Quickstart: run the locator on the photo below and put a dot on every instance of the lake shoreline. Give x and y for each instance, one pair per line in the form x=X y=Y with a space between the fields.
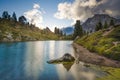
x=33 y=40
x=82 y=54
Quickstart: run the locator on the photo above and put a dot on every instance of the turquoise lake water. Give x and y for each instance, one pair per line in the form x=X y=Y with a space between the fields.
x=28 y=61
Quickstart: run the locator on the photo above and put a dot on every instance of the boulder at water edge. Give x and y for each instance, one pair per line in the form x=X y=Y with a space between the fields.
x=65 y=58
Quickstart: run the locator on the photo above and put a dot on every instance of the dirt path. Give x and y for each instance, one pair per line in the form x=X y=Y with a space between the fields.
x=85 y=55
x=107 y=32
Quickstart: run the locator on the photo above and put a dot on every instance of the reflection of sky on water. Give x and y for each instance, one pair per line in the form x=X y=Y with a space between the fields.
x=34 y=60
x=38 y=53
x=27 y=61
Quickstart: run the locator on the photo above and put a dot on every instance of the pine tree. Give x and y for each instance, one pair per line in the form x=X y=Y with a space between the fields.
x=112 y=22
x=98 y=26
x=5 y=15
x=78 y=31
x=14 y=17
x=105 y=25
x=55 y=30
x=61 y=33
x=22 y=20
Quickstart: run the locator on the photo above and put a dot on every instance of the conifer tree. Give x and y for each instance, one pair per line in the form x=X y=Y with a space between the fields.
x=14 y=17
x=22 y=20
x=78 y=31
x=5 y=15
x=105 y=25
x=112 y=22
x=98 y=26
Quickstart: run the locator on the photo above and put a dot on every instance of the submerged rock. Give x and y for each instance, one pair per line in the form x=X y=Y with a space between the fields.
x=66 y=58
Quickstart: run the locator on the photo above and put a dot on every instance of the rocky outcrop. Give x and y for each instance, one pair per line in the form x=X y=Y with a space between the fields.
x=10 y=37
x=66 y=58
x=90 y=23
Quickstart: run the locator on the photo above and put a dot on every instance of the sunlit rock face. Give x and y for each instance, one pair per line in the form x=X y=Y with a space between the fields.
x=91 y=23
x=66 y=58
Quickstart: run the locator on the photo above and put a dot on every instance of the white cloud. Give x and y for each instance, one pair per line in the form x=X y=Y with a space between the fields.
x=83 y=9
x=108 y=11
x=36 y=6
x=79 y=9
x=71 y=11
x=34 y=16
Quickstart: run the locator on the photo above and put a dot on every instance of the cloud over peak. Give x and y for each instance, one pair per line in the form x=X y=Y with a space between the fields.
x=83 y=9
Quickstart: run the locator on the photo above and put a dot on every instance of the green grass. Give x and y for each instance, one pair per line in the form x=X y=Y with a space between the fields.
x=113 y=73
x=103 y=45
x=17 y=29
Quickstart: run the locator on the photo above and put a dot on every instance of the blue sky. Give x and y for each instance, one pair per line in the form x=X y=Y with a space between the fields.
x=49 y=7
x=59 y=13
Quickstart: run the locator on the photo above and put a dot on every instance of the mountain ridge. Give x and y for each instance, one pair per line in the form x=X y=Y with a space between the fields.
x=91 y=22
x=68 y=30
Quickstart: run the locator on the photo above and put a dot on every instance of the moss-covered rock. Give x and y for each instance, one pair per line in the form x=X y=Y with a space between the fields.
x=65 y=58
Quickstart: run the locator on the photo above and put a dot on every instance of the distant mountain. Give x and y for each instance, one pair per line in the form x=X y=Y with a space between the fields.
x=90 y=23
x=68 y=30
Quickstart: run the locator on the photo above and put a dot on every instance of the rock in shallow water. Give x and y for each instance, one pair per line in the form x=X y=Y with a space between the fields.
x=66 y=58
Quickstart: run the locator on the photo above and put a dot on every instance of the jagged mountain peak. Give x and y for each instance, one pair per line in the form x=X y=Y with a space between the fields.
x=90 y=23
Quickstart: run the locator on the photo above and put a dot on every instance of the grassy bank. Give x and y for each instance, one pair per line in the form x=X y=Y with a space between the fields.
x=113 y=73
x=104 y=42
x=15 y=31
